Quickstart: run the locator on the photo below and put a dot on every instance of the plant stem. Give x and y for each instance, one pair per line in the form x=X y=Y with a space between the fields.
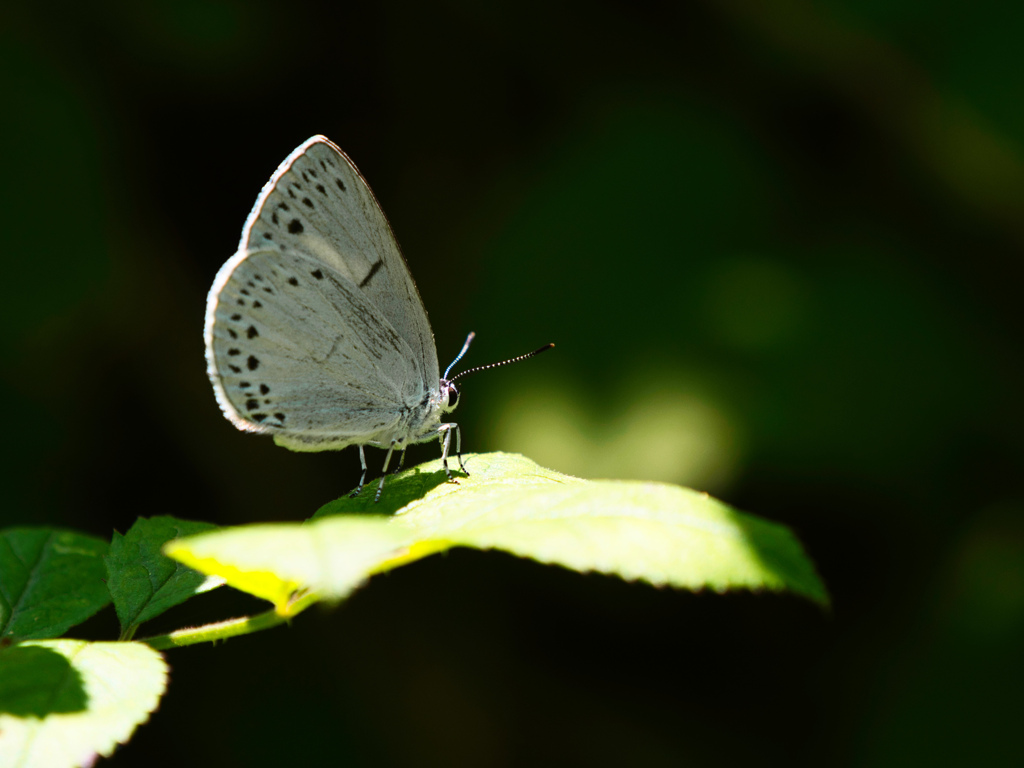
x=222 y=630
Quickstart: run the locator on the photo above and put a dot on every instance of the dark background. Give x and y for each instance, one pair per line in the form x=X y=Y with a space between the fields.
x=778 y=246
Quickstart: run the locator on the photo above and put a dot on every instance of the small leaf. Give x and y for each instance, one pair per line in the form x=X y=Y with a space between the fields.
x=142 y=581
x=63 y=702
x=331 y=556
x=50 y=580
x=659 y=533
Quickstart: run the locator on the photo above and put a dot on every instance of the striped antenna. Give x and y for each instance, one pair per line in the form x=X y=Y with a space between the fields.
x=535 y=352
x=465 y=348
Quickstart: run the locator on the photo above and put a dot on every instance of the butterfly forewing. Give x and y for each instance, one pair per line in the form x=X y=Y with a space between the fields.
x=318 y=204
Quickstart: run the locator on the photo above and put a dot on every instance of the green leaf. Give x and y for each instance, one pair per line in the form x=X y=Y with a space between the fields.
x=62 y=702
x=427 y=484
x=332 y=556
x=142 y=581
x=50 y=580
x=659 y=533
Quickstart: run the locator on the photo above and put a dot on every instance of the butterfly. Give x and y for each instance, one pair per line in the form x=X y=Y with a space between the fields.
x=315 y=332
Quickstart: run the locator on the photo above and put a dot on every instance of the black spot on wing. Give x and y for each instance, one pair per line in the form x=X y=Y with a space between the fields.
x=307 y=202
x=252 y=363
x=295 y=227
x=264 y=389
x=317 y=274
x=252 y=333
x=292 y=281
x=373 y=271
x=341 y=185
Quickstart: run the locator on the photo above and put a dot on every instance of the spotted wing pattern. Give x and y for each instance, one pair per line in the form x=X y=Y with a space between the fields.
x=315 y=331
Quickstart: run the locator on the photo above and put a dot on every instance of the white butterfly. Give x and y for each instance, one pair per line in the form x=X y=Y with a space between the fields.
x=315 y=332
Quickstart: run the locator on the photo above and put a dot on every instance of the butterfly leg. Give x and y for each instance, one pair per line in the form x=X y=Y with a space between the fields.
x=446 y=439
x=444 y=435
x=387 y=460
x=362 y=477
x=458 y=448
x=401 y=461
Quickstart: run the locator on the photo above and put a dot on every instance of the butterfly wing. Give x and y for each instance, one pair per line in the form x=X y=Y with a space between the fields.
x=295 y=349
x=315 y=331
x=319 y=204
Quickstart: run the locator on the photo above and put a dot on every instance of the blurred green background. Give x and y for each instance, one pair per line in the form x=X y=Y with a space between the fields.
x=779 y=248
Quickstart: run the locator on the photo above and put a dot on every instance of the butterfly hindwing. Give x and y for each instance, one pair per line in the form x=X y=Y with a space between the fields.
x=297 y=350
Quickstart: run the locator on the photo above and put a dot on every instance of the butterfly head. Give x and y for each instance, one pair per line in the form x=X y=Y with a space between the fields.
x=447 y=386
x=448 y=391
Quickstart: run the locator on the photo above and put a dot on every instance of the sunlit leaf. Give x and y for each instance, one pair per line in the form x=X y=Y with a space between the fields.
x=332 y=556
x=654 y=532
x=63 y=702
x=50 y=580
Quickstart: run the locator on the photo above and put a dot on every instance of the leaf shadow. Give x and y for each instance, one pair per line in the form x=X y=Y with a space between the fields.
x=779 y=552
x=37 y=681
x=399 y=490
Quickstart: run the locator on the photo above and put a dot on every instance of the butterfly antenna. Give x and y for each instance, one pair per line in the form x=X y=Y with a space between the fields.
x=535 y=352
x=465 y=348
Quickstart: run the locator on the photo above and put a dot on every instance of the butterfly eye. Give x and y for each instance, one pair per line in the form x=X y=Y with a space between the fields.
x=449 y=394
